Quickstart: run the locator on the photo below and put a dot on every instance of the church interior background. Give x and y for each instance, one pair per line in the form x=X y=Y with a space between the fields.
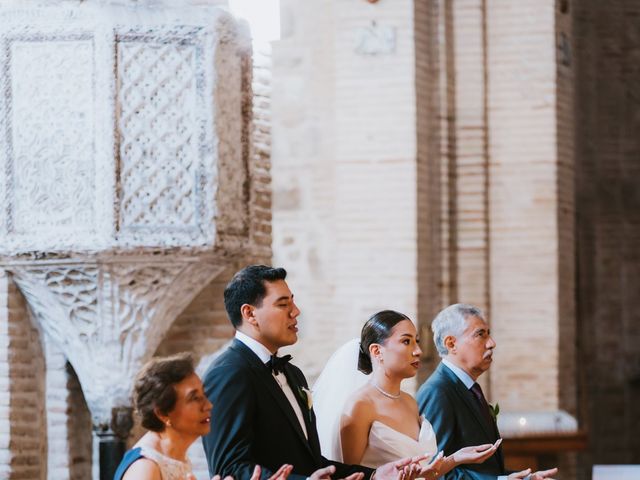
x=402 y=154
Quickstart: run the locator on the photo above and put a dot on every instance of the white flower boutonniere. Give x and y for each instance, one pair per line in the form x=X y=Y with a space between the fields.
x=306 y=395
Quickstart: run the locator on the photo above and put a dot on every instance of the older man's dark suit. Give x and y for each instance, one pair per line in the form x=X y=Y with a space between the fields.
x=458 y=422
x=252 y=422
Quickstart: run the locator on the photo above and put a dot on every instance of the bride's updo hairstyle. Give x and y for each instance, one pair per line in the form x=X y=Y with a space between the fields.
x=377 y=329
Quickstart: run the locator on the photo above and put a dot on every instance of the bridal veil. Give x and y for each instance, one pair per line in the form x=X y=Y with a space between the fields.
x=337 y=382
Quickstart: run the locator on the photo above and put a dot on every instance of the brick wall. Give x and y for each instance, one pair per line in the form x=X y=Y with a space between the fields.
x=464 y=178
x=5 y=376
x=470 y=170
x=79 y=426
x=429 y=101
x=523 y=203
x=607 y=59
x=23 y=440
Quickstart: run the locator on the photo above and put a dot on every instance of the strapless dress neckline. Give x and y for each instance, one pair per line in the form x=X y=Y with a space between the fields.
x=387 y=444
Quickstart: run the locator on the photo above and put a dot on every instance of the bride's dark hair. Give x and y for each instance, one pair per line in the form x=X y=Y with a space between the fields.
x=377 y=329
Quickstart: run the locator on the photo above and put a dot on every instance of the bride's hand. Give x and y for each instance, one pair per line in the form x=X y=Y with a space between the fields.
x=475 y=454
x=434 y=469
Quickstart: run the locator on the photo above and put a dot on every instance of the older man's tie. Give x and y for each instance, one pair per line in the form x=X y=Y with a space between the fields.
x=482 y=402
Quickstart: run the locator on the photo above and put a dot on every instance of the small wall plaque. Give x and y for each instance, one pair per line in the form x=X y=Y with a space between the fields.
x=375 y=40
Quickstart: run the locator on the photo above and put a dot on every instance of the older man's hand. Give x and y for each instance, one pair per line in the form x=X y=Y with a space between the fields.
x=527 y=475
x=520 y=475
x=544 y=474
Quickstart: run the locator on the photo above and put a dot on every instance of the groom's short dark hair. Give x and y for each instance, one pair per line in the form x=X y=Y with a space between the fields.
x=248 y=286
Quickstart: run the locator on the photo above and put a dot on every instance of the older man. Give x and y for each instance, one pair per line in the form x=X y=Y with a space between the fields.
x=452 y=400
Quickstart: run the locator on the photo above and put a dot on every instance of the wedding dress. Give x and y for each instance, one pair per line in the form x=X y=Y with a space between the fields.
x=388 y=445
x=337 y=382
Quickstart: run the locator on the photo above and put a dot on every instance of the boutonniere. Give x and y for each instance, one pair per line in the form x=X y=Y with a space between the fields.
x=305 y=395
x=495 y=410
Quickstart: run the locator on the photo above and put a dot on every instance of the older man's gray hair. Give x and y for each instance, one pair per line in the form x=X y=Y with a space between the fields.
x=452 y=321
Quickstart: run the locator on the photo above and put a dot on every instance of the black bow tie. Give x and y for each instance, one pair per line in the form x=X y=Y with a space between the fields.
x=276 y=364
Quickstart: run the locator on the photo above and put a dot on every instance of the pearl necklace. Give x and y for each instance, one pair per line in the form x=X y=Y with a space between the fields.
x=387 y=394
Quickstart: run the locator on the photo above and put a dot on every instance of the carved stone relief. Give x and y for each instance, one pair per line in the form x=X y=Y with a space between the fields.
x=165 y=135
x=109 y=318
x=52 y=134
x=122 y=127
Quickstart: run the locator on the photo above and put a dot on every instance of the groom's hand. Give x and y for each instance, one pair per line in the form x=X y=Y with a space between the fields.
x=323 y=474
x=282 y=473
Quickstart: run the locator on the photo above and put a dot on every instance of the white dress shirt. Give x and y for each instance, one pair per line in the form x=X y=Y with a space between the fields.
x=468 y=382
x=264 y=355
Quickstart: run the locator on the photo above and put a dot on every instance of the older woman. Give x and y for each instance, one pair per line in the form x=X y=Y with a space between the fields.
x=169 y=397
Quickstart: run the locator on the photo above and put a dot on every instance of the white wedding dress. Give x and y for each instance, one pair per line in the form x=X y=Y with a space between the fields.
x=388 y=445
x=337 y=382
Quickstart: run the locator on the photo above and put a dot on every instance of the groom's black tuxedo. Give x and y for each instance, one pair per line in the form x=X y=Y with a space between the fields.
x=458 y=422
x=252 y=422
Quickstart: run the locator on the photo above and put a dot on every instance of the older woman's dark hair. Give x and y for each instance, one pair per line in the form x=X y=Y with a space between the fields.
x=154 y=387
x=377 y=329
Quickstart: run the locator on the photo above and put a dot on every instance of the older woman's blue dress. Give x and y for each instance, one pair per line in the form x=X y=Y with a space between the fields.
x=170 y=468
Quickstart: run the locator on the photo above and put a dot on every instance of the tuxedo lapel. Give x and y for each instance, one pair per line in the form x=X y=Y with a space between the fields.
x=466 y=396
x=307 y=413
x=265 y=377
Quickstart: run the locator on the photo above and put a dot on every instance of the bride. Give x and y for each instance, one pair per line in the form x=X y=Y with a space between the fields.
x=363 y=416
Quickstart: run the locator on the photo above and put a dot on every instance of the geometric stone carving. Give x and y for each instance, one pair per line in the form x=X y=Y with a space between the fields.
x=44 y=156
x=122 y=126
x=160 y=133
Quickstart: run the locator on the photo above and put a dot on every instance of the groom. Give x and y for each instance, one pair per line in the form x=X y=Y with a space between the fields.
x=262 y=412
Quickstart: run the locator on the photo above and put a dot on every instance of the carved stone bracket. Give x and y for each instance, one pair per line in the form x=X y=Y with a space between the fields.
x=109 y=318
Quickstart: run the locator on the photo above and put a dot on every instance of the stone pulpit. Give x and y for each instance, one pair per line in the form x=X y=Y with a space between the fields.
x=125 y=175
